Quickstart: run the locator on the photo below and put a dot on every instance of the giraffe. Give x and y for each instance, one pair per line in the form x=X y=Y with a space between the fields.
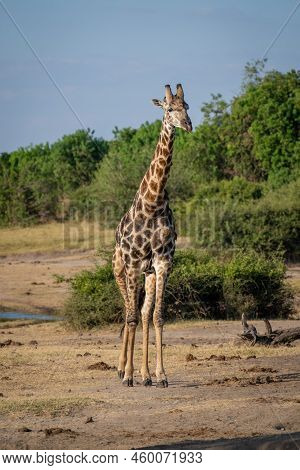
x=145 y=244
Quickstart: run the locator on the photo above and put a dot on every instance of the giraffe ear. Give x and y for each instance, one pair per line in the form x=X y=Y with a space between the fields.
x=157 y=103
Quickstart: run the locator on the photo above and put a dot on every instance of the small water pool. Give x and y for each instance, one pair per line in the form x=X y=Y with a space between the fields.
x=28 y=316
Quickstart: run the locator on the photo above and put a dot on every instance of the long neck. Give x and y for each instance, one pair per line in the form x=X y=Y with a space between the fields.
x=152 y=187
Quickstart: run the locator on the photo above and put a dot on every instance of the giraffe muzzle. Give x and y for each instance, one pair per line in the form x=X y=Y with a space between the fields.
x=187 y=125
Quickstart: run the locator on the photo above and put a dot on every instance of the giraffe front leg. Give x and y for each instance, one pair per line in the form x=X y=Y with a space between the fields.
x=150 y=282
x=131 y=323
x=161 y=280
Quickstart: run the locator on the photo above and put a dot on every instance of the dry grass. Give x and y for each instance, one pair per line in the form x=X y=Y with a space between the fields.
x=53 y=237
x=48 y=384
x=42 y=407
x=192 y=323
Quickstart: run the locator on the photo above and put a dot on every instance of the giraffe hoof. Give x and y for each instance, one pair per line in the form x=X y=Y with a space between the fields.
x=162 y=384
x=121 y=374
x=128 y=383
x=147 y=382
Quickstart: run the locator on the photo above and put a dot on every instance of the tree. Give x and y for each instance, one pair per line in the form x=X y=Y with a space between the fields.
x=33 y=189
x=253 y=73
x=76 y=158
x=262 y=133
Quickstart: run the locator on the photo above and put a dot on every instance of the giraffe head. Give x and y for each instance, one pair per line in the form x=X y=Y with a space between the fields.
x=175 y=109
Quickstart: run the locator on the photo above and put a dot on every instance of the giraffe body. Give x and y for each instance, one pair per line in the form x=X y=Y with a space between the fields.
x=145 y=244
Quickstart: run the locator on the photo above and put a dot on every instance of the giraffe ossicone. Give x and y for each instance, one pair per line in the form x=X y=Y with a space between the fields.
x=145 y=244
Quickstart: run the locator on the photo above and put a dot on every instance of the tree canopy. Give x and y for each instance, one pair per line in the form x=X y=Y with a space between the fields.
x=253 y=138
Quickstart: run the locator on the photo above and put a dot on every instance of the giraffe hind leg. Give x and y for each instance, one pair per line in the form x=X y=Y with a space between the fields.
x=132 y=319
x=161 y=270
x=119 y=272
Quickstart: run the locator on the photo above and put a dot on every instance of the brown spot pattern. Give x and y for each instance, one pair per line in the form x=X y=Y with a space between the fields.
x=150 y=196
x=153 y=185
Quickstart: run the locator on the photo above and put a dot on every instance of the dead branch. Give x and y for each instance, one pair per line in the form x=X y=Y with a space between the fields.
x=271 y=338
x=268 y=327
x=249 y=330
x=287 y=336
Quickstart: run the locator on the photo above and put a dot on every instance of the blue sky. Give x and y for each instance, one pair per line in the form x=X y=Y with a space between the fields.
x=110 y=57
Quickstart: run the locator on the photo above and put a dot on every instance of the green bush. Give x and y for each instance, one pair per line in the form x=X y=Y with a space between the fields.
x=95 y=299
x=199 y=286
x=266 y=228
x=194 y=288
x=237 y=190
x=253 y=284
x=239 y=214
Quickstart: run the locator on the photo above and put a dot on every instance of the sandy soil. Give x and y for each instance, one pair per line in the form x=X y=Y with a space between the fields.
x=30 y=282
x=59 y=390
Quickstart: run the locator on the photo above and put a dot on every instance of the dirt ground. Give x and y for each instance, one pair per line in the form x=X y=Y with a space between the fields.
x=37 y=282
x=59 y=390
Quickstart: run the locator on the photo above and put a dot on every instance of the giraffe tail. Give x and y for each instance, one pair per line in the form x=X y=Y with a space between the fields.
x=141 y=299
x=122 y=331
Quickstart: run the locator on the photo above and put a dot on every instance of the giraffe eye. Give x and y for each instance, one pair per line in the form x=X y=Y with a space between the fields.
x=170 y=109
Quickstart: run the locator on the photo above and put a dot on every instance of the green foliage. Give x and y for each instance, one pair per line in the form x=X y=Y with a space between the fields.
x=255 y=137
x=237 y=190
x=199 y=286
x=121 y=171
x=253 y=284
x=59 y=278
x=240 y=214
x=200 y=157
x=195 y=287
x=28 y=190
x=95 y=299
x=262 y=133
x=34 y=180
x=253 y=73
x=5 y=189
x=118 y=177
x=76 y=157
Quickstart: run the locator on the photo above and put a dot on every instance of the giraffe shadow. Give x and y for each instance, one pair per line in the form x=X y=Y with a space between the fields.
x=286 y=441
x=185 y=384
x=173 y=384
x=292 y=377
